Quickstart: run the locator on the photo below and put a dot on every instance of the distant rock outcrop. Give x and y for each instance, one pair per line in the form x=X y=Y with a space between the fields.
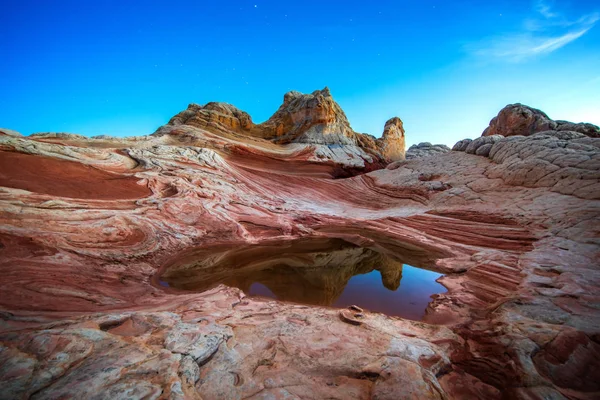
x=213 y=116
x=518 y=119
x=392 y=144
x=9 y=132
x=425 y=149
x=58 y=135
x=314 y=118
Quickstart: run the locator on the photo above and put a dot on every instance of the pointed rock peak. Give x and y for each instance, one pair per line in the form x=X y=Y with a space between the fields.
x=217 y=106
x=224 y=108
x=392 y=143
x=213 y=115
x=323 y=93
x=291 y=95
x=296 y=95
x=309 y=118
x=393 y=127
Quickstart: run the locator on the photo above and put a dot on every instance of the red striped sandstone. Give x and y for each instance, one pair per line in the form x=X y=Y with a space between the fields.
x=515 y=231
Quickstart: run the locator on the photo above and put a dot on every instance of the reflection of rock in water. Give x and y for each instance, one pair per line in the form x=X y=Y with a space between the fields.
x=312 y=271
x=321 y=284
x=391 y=272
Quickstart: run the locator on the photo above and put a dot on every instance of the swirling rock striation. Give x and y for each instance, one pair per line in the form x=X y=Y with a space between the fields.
x=87 y=227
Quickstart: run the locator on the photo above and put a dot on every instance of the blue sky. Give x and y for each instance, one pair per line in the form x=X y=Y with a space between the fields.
x=446 y=68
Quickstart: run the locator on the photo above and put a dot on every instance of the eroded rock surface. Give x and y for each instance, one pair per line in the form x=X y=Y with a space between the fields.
x=314 y=119
x=512 y=222
x=425 y=149
x=563 y=161
x=392 y=142
x=519 y=119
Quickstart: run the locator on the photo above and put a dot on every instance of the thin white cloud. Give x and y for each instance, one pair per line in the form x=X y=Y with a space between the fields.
x=550 y=44
x=544 y=9
x=542 y=34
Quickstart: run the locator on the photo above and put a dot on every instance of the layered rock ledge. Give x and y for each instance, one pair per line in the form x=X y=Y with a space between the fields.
x=86 y=226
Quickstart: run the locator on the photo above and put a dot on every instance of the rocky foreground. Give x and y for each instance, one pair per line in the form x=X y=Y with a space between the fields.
x=511 y=218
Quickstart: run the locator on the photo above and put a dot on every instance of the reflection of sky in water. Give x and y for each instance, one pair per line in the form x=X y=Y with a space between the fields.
x=367 y=291
x=258 y=289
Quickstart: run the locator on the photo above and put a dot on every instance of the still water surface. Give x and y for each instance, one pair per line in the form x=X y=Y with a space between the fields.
x=367 y=290
x=327 y=272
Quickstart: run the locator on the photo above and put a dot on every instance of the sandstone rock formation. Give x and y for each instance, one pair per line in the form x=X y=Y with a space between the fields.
x=425 y=149
x=310 y=119
x=519 y=119
x=564 y=162
x=9 y=132
x=392 y=143
x=89 y=226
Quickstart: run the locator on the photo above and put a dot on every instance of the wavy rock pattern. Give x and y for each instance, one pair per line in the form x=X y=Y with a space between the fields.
x=566 y=162
x=514 y=227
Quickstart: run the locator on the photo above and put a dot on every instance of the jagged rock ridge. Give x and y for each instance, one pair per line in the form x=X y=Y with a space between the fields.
x=314 y=118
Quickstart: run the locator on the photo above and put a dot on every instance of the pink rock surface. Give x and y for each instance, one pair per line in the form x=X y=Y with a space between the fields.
x=514 y=229
x=522 y=120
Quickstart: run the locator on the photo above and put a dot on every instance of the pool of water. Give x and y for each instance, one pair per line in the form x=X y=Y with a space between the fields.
x=328 y=272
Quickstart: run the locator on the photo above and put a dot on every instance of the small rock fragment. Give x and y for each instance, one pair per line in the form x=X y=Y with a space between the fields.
x=349 y=318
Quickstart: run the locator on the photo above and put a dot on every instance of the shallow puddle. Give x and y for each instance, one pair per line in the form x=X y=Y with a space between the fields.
x=328 y=272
